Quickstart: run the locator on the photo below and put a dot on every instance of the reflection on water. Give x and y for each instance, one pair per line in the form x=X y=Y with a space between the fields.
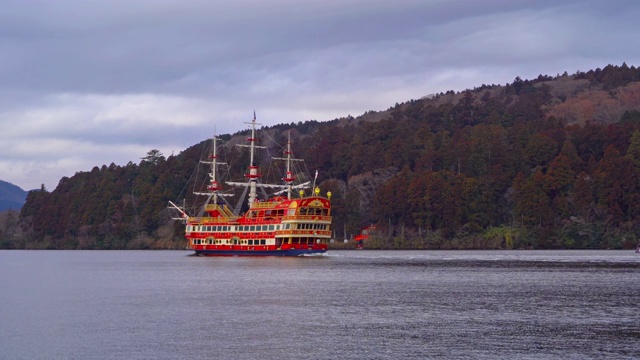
x=346 y=304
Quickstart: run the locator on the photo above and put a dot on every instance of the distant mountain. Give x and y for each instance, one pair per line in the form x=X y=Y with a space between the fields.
x=11 y=196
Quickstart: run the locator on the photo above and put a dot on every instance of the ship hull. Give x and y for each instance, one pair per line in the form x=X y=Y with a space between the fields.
x=288 y=252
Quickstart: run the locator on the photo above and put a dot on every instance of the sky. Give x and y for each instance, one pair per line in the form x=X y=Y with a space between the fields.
x=87 y=83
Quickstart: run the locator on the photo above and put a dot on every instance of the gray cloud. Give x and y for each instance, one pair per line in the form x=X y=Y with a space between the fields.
x=86 y=83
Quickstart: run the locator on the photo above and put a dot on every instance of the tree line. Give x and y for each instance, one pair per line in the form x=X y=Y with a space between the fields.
x=552 y=162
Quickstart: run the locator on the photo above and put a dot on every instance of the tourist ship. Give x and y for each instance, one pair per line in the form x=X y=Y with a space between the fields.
x=281 y=224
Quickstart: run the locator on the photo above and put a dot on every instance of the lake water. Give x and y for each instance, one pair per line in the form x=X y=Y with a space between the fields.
x=344 y=305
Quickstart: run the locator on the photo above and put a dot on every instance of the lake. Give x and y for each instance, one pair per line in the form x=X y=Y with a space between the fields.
x=343 y=305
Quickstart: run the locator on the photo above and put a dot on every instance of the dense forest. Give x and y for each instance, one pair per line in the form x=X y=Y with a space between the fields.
x=552 y=162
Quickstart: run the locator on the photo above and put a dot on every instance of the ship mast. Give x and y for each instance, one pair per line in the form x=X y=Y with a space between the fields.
x=213 y=186
x=288 y=178
x=253 y=174
x=253 y=168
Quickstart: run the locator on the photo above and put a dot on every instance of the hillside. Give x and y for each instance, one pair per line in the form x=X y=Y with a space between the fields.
x=11 y=196
x=552 y=162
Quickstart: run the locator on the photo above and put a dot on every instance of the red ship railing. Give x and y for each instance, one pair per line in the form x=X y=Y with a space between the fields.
x=306 y=218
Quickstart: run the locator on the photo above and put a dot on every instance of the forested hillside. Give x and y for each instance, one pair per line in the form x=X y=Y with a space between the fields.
x=552 y=162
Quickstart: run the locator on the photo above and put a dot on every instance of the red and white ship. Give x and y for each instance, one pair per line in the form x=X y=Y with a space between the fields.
x=282 y=224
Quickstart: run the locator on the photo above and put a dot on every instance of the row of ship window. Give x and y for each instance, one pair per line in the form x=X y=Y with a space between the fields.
x=306 y=226
x=225 y=228
x=253 y=228
x=314 y=211
x=280 y=213
x=230 y=242
x=210 y=241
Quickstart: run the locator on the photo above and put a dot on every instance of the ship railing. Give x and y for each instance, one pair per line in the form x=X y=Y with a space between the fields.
x=263 y=204
x=215 y=220
x=289 y=233
x=320 y=218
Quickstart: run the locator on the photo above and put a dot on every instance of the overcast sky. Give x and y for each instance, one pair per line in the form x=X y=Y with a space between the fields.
x=85 y=83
